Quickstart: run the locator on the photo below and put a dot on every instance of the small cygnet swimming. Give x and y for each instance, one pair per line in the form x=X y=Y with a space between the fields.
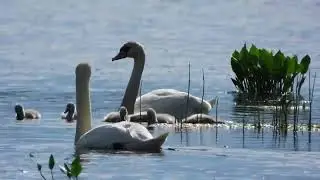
x=70 y=113
x=22 y=113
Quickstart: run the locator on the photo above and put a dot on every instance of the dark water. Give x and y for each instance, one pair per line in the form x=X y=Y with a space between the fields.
x=41 y=42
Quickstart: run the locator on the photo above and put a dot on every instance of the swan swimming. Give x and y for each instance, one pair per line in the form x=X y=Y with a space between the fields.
x=22 y=113
x=71 y=112
x=124 y=135
x=201 y=119
x=169 y=101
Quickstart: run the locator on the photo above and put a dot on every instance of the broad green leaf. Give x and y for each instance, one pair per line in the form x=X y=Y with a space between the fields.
x=304 y=64
x=254 y=50
x=278 y=63
x=243 y=54
x=279 y=59
x=237 y=69
x=266 y=60
x=292 y=67
x=76 y=167
x=236 y=54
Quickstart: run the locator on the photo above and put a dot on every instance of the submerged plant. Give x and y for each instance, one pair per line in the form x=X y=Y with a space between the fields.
x=72 y=171
x=261 y=75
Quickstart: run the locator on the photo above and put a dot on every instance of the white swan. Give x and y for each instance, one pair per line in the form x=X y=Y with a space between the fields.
x=167 y=101
x=22 y=113
x=123 y=135
x=71 y=112
x=201 y=119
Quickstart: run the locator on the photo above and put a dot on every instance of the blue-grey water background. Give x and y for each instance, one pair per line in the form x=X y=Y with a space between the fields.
x=41 y=42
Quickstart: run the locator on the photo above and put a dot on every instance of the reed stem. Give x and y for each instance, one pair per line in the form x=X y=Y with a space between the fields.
x=140 y=106
x=311 y=100
x=203 y=84
x=187 y=109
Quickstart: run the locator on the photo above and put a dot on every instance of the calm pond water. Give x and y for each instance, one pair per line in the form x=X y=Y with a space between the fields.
x=41 y=42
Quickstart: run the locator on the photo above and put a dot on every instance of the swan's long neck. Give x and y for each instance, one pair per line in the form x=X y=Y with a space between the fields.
x=21 y=115
x=69 y=116
x=132 y=90
x=83 y=107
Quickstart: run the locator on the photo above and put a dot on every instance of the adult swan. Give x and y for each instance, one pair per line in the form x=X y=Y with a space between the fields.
x=123 y=135
x=167 y=101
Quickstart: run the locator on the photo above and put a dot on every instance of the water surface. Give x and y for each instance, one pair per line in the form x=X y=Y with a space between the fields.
x=41 y=42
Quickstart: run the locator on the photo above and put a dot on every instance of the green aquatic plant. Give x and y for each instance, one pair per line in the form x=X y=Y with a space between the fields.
x=261 y=75
x=72 y=171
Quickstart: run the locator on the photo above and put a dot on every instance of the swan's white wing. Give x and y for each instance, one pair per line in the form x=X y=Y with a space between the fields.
x=170 y=101
x=161 y=101
x=165 y=118
x=104 y=136
x=202 y=118
x=136 y=130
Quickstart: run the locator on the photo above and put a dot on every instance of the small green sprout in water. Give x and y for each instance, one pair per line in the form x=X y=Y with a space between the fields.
x=51 y=164
x=71 y=171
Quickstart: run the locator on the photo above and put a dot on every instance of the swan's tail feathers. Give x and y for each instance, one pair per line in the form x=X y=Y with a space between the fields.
x=214 y=101
x=152 y=145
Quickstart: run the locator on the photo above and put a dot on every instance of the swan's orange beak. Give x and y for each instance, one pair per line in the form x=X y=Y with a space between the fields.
x=120 y=55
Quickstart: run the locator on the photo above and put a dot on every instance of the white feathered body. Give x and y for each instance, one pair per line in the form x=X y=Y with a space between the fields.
x=126 y=133
x=173 y=102
x=31 y=114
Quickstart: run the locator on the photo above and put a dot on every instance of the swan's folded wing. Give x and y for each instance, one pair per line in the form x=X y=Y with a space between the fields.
x=104 y=136
x=171 y=102
x=165 y=118
x=153 y=144
x=161 y=104
x=137 y=131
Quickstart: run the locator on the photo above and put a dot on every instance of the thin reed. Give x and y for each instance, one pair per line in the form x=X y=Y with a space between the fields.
x=187 y=106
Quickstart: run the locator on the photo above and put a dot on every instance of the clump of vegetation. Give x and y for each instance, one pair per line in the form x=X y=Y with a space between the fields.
x=262 y=76
x=72 y=171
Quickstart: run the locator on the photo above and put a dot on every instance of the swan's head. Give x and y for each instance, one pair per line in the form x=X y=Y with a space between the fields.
x=19 y=111
x=70 y=108
x=123 y=113
x=152 y=116
x=83 y=71
x=130 y=49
